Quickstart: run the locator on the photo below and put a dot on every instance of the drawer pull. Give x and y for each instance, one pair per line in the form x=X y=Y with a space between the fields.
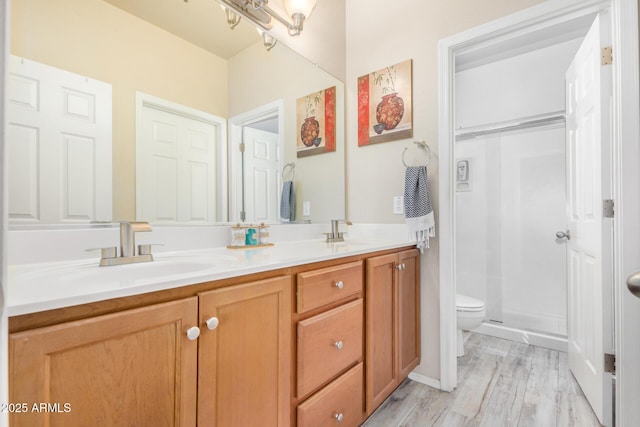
x=338 y=416
x=339 y=284
x=193 y=333
x=338 y=345
x=212 y=323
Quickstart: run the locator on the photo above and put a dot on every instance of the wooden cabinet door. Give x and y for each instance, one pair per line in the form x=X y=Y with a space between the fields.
x=381 y=338
x=135 y=367
x=392 y=323
x=244 y=363
x=408 y=315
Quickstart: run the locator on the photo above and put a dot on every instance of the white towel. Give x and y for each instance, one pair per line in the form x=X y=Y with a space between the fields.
x=288 y=202
x=417 y=206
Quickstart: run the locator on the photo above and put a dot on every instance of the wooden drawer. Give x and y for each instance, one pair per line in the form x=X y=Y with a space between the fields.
x=326 y=285
x=339 y=403
x=328 y=344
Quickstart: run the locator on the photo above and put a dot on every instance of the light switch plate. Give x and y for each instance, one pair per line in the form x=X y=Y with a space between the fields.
x=306 y=208
x=398 y=205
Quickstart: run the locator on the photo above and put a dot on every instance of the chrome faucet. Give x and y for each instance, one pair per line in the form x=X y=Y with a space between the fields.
x=128 y=253
x=336 y=235
x=128 y=239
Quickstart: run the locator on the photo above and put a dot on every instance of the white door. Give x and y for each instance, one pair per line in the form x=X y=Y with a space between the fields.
x=590 y=329
x=59 y=145
x=176 y=168
x=262 y=175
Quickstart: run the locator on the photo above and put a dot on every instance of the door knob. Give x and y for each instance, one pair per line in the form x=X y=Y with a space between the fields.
x=564 y=235
x=633 y=283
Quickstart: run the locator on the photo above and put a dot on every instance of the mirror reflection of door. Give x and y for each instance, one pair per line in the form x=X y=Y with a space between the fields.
x=256 y=157
x=178 y=156
x=262 y=170
x=59 y=132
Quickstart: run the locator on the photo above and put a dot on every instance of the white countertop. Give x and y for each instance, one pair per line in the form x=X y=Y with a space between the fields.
x=51 y=285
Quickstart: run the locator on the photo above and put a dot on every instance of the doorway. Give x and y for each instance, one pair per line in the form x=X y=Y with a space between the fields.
x=478 y=48
x=255 y=158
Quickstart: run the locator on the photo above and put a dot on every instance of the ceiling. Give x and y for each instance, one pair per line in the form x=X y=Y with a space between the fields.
x=201 y=22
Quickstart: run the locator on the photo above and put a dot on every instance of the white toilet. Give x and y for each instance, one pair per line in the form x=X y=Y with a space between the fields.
x=470 y=313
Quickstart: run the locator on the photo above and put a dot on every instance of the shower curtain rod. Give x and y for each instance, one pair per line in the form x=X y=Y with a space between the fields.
x=517 y=124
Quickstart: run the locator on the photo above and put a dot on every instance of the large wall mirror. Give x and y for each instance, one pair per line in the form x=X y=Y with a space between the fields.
x=161 y=54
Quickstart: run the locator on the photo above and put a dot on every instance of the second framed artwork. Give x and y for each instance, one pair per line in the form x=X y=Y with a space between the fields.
x=385 y=109
x=316 y=123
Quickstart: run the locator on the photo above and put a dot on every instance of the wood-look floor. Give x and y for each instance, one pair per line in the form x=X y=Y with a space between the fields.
x=500 y=383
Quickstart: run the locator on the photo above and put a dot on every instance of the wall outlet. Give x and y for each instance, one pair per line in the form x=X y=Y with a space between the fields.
x=398 y=205
x=306 y=208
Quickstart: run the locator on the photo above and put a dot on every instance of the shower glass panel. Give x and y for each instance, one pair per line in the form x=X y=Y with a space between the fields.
x=510 y=202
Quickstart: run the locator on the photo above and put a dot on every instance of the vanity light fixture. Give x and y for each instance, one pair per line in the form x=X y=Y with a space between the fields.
x=259 y=13
x=267 y=39
x=233 y=19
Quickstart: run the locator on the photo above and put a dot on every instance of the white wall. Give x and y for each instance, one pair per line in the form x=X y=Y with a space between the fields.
x=383 y=33
x=524 y=85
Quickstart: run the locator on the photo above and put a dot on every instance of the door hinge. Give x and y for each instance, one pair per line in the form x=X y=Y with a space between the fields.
x=242 y=147
x=610 y=363
x=607 y=55
x=607 y=208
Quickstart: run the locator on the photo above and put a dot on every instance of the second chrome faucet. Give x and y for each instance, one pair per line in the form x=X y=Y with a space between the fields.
x=336 y=235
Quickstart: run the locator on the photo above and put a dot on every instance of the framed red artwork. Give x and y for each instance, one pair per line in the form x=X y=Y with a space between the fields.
x=385 y=110
x=316 y=123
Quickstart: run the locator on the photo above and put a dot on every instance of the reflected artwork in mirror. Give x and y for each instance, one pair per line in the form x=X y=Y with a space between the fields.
x=184 y=54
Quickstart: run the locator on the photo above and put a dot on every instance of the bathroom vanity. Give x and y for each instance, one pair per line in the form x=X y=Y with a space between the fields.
x=302 y=333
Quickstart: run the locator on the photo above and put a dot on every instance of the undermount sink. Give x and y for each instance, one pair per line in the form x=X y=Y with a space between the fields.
x=348 y=245
x=165 y=266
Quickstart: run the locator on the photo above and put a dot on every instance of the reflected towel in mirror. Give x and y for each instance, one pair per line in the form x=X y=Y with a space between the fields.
x=288 y=202
x=417 y=206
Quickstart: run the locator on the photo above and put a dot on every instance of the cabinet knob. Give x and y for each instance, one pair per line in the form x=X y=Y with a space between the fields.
x=339 y=284
x=338 y=345
x=338 y=416
x=212 y=323
x=401 y=266
x=193 y=333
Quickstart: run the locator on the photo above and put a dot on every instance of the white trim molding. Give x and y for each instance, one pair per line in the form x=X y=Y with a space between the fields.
x=423 y=379
x=4 y=206
x=626 y=166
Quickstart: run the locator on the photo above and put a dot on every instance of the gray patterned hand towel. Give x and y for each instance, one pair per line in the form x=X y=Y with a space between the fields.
x=288 y=202
x=418 y=210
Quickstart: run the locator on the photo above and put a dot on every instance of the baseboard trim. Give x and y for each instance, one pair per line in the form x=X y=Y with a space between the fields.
x=526 y=337
x=423 y=379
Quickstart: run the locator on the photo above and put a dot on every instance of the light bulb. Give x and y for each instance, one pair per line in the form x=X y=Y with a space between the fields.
x=303 y=7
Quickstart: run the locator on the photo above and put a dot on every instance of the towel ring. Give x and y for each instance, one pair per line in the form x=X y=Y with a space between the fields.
x=423 y=146
x=292 y=166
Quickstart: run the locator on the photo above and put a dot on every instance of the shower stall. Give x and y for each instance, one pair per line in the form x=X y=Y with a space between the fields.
x=506 y=217
x=510 y=191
